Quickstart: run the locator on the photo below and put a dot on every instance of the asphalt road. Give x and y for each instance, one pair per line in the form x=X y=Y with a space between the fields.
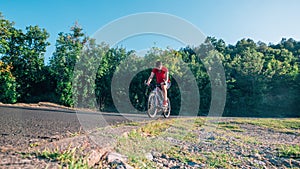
x=21 y=127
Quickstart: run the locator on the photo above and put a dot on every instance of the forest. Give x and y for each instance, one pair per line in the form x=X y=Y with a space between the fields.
x=262 y=79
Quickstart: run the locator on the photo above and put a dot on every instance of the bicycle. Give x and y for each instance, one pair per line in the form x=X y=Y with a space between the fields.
x=155 y=102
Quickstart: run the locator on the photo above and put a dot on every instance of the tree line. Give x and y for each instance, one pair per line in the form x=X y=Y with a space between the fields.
x=262 y=80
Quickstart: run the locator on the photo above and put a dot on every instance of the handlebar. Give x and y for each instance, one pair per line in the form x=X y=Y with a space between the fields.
x=152 y=85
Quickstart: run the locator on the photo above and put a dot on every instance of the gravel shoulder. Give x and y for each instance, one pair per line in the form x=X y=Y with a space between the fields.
x=215 y=143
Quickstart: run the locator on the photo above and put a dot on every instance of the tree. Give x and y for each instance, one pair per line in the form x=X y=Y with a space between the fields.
x=30 y=74
x=244 y=71
x=25 y=52
x=107 y=67
x=86 y=85
x=5 y=34
x=68 y=50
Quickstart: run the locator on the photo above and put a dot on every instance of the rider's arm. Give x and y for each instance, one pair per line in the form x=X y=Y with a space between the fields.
x=167 y=76
x=150 y=78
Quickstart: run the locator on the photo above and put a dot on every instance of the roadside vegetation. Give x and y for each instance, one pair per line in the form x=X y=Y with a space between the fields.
x=231 y=143
x=69 y=158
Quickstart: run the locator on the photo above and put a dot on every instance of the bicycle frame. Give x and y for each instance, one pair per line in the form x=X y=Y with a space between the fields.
x=155 y=100
x=158 y=97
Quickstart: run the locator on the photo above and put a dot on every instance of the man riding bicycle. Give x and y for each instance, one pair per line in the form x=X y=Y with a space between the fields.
x=162 y=77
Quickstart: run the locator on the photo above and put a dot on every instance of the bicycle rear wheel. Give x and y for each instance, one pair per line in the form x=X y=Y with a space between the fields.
x=152 y=109
x=167 y=111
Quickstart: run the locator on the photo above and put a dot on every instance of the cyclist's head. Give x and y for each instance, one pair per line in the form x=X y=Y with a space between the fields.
x=159 y=65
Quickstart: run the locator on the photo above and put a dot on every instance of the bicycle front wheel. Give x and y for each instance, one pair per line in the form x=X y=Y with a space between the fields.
x=167 y=111
x=152 y=108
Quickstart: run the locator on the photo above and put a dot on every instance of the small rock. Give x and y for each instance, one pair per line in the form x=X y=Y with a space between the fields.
x=125 y=134
x=165 y=156
x=172 y=159
x=238 y=153
x=149 y=156
x=54 y=138
x=115 y=156
x=160 y=165
x=197 y=166
x=155 y=160
x=260 y=163
x=33 y=140
x=287 y=163
x=295 y=163
x=128 y=166
x=121 y=167
x=165 y=162
x=211 y=138
x=156 y=154
x=25 y=161
x=190 y=163
x=274 y=162
x=93 y=158
x=116 y=162
x=257 y=156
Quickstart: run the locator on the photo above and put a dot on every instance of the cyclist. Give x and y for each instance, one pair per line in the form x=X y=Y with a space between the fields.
x=162 y=77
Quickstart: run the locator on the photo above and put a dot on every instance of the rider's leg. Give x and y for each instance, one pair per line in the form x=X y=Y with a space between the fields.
x=165 y=93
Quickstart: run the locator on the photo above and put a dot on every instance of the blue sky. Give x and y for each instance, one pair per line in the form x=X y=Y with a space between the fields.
x=230 y=20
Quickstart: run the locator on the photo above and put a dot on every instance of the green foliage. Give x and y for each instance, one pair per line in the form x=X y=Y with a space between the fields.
x=7 y=84
x=68 y=50
x=24 y=51
x=69 y=158
x=5 y=34
x=289 y=151
x=258 y=77
x=107 y=67
x=275 y=124
x=84 y=74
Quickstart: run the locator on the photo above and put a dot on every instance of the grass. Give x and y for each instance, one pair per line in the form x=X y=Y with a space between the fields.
x=34 y=144
x=68 y=158
x=140 y=141
x=155 y=128
x=182 y=129
x=184 y=155
x=135 y=146
x=130 y=123
x=166 y=136
x=289 y=126
x=153 y=137
x=229 y=126
x=221 y=160
x=289 y=151
x=250 y=140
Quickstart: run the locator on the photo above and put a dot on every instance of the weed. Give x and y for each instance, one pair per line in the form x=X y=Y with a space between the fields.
x=156 y=128
x=289 y=151
x=66 y=158
x=231 y=127
x=34 y=144
x=221 y=160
